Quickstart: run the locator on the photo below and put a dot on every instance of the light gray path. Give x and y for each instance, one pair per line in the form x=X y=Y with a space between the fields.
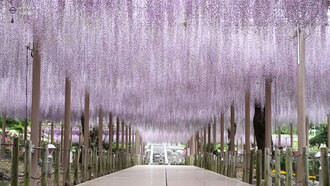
x=163 y=176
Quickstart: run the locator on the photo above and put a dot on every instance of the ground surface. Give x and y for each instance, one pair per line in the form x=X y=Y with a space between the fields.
x=163 y=176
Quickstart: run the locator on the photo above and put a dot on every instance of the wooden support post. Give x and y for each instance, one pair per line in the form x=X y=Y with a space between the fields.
x=35 y=109
x=267 y=170
x=279 y=136
x=52 y=133
x=307 y=130
x=117 y=136
x=325 y=166
x=197 y=142
x=126 y=139
x=110 y=140
x=222 y=131
x=86 y=135
x=288 y=167
x=277 y=167
x=67 y=126
x=305 y=165
x=209 y=138
x=95 y=167
x=62 y=141
x=3 y=134
x=247 y=132
x=251 y=165
x=204 y=143
x=268 y=113
x=25 y=128
x=258 y=168
x=122 y=135
x=90 y=163
x=27 y=163
x=214 y=133
x=44 y=165
x=57 y=166
x=130 y=140
x=14 y=163
x=75 y=165
x=100 y=147
x=328 y=131
x=301 y=101
x=291 y=135
x=232 y=128
x=39 y=141
x=244 y=172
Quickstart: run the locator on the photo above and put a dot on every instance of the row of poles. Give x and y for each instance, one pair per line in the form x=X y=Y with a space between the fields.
x=302 y=128
x=35 y=119
x=100 y=163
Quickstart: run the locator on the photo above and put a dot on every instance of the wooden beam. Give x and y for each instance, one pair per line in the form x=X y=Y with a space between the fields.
x=268 y=113
x=232 y=128
x=86 y=134
x=222 y=130
x=214 y=133
x=67 y=119
x=35 y=109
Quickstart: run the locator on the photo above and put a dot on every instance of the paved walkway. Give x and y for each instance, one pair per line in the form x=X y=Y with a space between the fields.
x=157 y=175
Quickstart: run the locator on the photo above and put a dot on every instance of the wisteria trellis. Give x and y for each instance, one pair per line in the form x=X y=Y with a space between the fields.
x=165 y=67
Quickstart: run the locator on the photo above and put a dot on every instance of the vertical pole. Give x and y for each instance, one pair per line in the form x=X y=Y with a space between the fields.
x=247 y=132
x=222 y=130
x=117 y=136
x=14 y=163
x=214 y=133
x=268 y=130
x=67 y=119
x=3 y=135
x=86 y=134
x=288 y=167
x=110 y=133
x=126 y=139
x=75 y=177
x=122 y=135
x=130 y=139
x=52 y=133
x=251 y=165
x=258 y=168
x=291 y=135
x=45 y=166
x=268 y=113
x=209 y=138
x=204 y=142
x=325 y=166
x=301 y=101
x=25 y=129
x=305 y=175
x=57 y=166
x=279 y=136
x=307 y=128
x=232 y=128
x=27 y=164
x=277 y=167
x=35 y=109
x=100 y=133
x=328 y=131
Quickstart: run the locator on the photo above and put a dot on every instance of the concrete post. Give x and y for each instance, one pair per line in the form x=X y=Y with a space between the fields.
x=67 y=119
x=222 y=131
x=301 y=101
x=35 y=109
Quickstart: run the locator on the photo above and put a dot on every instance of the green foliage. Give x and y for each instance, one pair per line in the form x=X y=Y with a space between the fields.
x=15 y=124
x=321 y=137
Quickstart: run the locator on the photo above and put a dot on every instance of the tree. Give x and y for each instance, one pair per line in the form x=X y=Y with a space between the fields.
x=321 y=138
